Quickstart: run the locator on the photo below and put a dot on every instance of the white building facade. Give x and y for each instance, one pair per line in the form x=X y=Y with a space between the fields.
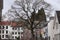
x=54 y=27
x=8 y=32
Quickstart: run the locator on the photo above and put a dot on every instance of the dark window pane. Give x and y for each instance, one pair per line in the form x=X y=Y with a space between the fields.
x=0 y=31
x=18 y=32
x=6 y=36
x=15 y=32
x=6 y=32
x=0 y=27
x=2 y=36
x=12 y=32
x=13 y=28
x=6 y=27
x=12 y=36
x=15 y=37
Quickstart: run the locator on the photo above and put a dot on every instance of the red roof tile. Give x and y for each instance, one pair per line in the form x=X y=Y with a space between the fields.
x=13 y=24
x=5 y=23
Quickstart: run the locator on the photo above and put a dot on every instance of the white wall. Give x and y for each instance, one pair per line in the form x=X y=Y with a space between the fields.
x=10 y=30
x=54 y=32
x=50 y=29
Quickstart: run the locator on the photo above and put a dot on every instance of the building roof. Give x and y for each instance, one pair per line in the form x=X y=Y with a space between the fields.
x=58 y=16
x=5 y=23
x=13 y=24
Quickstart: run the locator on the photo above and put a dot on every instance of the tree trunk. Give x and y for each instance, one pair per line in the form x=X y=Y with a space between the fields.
x=32 y=32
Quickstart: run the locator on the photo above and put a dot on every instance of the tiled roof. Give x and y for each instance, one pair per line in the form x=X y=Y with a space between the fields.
x=58 y=16
x=5 y=23
x=13 y=24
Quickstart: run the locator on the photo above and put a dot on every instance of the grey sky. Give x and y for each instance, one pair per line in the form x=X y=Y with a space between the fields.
x=54 y=3
x=7 y=4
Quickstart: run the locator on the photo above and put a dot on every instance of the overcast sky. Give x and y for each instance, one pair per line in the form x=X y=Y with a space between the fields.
x=7 y=4
x=54 y=3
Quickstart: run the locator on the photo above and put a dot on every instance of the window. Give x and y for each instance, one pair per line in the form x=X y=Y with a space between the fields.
x=2 y=36
x=6 y=32
x=6 y=27
x=53 y=27
x=18 y=32
x=6 y=36
x=49 y=37
x=15 y=32
x=12 y=32
x=2 y=31
x=15 y=37
x=2 y=27
x=13 y=28
x=12 y=36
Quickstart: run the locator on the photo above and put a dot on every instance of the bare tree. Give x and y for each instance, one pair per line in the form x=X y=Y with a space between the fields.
x=30 y=12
